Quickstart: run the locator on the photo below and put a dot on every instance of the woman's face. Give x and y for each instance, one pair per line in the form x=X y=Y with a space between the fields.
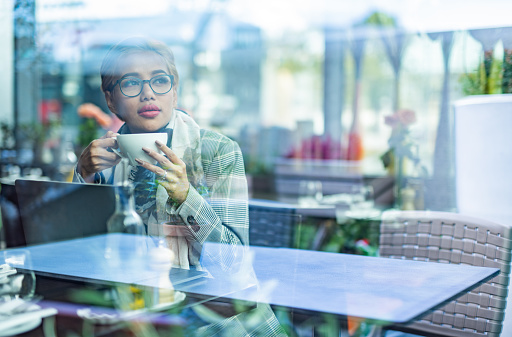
x=148 y=111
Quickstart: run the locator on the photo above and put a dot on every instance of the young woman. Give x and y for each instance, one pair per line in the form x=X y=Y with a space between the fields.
x=199 y=180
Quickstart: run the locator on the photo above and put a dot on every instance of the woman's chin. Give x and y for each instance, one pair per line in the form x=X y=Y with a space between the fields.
x=148 y=126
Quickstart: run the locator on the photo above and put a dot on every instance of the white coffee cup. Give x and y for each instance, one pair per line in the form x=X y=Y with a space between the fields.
x=130 y=146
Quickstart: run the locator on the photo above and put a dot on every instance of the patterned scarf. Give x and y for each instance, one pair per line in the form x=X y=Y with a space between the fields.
x=151 y=200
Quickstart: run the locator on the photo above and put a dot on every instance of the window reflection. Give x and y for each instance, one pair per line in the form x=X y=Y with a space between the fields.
x=322 y=100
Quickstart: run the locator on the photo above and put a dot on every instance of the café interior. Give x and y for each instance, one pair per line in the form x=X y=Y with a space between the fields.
x=374 y=144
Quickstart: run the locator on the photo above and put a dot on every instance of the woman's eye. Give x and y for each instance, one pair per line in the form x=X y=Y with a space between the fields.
x=161 y=80
x=130 y=83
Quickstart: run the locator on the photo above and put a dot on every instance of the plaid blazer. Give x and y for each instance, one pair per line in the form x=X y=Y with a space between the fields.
x=224 y=217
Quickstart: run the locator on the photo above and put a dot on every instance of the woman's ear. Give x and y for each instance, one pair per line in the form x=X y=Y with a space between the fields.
x=110 y=101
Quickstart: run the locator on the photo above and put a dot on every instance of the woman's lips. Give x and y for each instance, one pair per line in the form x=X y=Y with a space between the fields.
x=149 y=111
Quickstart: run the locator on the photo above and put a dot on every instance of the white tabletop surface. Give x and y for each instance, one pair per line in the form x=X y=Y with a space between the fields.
x=379 y=289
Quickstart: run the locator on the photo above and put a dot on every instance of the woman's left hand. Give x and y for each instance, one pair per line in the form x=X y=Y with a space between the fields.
x=171 y=174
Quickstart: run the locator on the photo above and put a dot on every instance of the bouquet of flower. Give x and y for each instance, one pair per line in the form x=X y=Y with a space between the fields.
x=93 y=117
x=400 y=142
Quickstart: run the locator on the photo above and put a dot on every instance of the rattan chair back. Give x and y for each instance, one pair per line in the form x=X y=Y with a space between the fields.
x=272 y=226
x=444 y=237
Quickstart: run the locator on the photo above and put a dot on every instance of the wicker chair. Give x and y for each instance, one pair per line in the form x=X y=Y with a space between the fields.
x=272 y=225
x=453 y=238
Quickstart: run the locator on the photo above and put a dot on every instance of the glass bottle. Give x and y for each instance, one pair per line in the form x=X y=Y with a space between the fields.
x=125 y=219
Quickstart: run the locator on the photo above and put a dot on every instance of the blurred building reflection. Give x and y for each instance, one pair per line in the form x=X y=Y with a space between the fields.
x=296 y=88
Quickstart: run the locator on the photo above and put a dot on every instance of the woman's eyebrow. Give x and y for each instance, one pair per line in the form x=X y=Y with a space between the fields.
x=154 y=72
x=130 y=75
x=158 y=71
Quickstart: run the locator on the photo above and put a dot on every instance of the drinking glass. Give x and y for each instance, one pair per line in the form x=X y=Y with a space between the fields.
x=362 y=197
x=310 y=192
x=22 y=283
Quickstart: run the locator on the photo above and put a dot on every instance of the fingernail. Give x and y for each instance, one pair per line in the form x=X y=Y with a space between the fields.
x=139 y=161
x=159 y=143
x=145 y=149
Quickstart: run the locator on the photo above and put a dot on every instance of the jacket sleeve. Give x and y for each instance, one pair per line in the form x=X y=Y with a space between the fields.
x=224 y=217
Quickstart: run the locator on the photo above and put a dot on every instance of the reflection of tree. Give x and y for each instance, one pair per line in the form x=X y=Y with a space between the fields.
x=7 y=134
x=380 y=19
x=487 y=77
x=384 y=27
x=297 y=57
x=394 y=41
x=27 y=65
x=443 y=151
x=39 y=136
x=375 y=66
x=488 y=39
x=379 y=73
x=506 y=38
x=355 y=149
x=478 y=83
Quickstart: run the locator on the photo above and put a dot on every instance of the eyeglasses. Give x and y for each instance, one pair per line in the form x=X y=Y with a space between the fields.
x=132 y=86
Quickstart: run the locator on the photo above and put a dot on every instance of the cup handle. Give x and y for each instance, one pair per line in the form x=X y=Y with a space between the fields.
x=132 y=160
x=120 y=154
x=116 y=151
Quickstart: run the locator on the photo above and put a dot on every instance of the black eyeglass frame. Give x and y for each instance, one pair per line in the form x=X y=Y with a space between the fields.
x=142 y=84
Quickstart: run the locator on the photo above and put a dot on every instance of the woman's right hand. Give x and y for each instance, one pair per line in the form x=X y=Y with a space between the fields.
x=96 y=157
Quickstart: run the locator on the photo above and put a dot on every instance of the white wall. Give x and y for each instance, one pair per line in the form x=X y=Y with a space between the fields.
x=483 y=160
x=483 y=156
x=6 y=61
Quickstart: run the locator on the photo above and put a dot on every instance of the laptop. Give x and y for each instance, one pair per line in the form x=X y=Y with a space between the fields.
x=53 y=211
x=56 y=211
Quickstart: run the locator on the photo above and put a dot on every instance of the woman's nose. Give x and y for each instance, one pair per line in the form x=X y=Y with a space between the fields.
x=146 y=93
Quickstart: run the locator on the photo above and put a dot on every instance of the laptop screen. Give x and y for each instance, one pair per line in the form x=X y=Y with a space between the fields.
x=55 y=211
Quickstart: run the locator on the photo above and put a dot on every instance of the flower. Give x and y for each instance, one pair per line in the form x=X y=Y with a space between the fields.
x=406 y=117
x=401 y=118
x=392 y=120
x=89 y=110
x=92 y=117
x=403 y=160
x=400 y=143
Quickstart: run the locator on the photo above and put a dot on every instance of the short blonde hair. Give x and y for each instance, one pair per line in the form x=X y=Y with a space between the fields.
x=109 y=72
